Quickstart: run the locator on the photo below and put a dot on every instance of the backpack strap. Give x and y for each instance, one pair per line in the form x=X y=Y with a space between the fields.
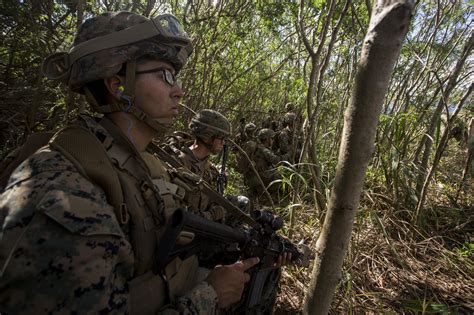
x=88 y=155
x=213 y=195
x=33 y=143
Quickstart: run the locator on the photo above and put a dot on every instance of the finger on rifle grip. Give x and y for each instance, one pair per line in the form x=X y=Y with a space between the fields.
x=250 y=262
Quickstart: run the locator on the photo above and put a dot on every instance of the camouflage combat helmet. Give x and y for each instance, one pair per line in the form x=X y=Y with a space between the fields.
x=250 y=127
x=108 y=42
x=289 y=119
x=208 y=124
x=289 y=107
x=265 y=133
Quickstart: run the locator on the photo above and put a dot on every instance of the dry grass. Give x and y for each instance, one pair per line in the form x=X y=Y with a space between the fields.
x=392 y=267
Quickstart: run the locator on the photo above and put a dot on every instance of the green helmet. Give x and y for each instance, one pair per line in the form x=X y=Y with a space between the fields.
x=208 y=124
x=250 y=127
x=105 y=42
x=265 y=134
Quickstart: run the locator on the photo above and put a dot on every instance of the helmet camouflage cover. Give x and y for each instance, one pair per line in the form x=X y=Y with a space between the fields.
x=250 y=127
x=266 y=133
x=86 y=64
x=209 y=124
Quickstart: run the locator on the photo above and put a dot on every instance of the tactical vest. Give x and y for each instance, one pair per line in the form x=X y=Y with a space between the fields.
x=204 y=168
x=143 y=198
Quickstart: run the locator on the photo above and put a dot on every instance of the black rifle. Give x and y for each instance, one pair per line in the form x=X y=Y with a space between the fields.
x=222 y=177
x=218 y=243
x=211 y=239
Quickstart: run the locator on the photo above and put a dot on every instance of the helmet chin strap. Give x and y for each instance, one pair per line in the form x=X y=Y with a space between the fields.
x=159 y=125
x=127 y=103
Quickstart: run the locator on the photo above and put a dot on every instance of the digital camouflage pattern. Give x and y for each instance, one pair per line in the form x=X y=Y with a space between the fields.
x=289 y=119
x=55 y=221
x=265 y=159
x=108 y=62
x=62 y=249
x=250 y=129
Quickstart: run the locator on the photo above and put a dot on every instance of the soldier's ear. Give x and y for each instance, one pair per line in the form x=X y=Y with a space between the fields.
x=114 y=86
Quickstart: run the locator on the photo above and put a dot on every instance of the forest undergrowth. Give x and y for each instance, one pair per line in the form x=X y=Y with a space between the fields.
x=393 y=265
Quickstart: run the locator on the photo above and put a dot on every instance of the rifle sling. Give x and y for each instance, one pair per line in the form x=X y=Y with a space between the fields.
x=213 y=195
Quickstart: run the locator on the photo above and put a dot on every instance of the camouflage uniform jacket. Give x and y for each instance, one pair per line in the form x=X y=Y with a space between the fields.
x=264 y=158
x=265 y=163
x=204 y=168
x=242 y=162
x=285 y=144
x=62 y=248
x=196 y=200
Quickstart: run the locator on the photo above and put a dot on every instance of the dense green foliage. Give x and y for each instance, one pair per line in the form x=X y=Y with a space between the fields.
x=250 y=57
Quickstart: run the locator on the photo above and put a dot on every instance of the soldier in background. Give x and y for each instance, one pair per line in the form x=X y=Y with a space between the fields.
x=286 y=145
x=271 y=122
x=210 y=129
x=289 y=108
x=241 y=137
x=249 y=147
x=250 y=129
x=265 y=162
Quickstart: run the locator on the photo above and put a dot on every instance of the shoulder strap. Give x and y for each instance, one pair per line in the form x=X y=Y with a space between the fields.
x=33 y=143
x=212 y=194
x=88 y=154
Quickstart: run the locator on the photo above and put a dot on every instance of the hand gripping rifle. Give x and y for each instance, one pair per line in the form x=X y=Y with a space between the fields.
x=187 y=234
x=222 y=177
x=211 y=241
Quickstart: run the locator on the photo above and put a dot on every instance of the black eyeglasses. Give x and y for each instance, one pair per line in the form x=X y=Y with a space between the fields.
x=167 y=75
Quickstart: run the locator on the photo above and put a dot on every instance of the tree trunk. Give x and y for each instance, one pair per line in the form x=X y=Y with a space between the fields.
x=387 y=29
